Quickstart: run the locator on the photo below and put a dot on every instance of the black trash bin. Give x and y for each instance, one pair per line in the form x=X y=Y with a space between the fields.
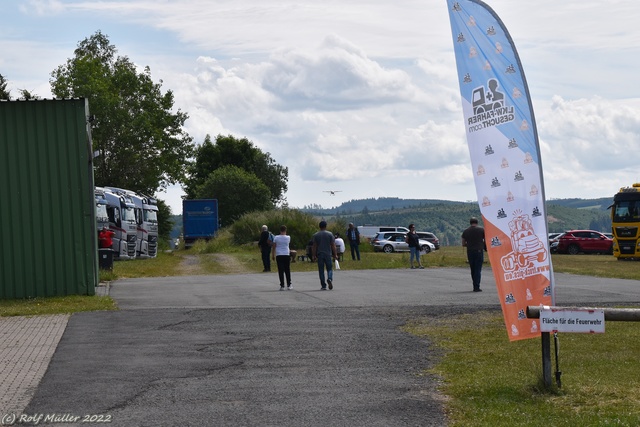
x=105 y=256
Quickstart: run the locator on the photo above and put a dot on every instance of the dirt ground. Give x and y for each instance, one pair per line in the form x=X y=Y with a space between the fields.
x=193 y=264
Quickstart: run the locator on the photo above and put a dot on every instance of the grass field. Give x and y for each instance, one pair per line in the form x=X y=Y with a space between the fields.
x=487 y=380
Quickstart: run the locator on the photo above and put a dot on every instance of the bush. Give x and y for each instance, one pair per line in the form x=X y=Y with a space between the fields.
x=300 y=226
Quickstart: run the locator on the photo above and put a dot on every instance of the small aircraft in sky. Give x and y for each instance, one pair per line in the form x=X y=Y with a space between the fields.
x=332 y=192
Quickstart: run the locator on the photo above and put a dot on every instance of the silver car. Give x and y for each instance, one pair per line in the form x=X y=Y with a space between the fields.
x=395 y=242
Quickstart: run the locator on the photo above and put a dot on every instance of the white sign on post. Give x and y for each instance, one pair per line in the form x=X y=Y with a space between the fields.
x=589 y=321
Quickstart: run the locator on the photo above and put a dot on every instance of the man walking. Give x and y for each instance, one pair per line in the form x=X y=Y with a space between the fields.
x=324 y=252
x=265 y=248
x=353 y=236
x=473 y=239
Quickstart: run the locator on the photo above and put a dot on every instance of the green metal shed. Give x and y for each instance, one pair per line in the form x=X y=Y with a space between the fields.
x=48 y=235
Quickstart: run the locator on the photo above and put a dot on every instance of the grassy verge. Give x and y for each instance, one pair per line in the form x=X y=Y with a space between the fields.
x=55 y=305
x=492 y=382
x=166 y=264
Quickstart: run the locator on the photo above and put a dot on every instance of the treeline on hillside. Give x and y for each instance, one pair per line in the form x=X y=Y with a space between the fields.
x=372 y=205
x=602 y=203
x=447 y=220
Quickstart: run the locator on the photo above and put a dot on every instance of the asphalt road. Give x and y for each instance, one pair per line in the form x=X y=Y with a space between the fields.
x=235 y=351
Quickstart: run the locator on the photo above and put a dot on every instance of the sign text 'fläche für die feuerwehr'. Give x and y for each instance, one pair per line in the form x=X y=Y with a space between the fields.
x=589 y=321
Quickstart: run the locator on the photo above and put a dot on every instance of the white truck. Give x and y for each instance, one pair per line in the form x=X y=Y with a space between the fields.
x=102 y=219
x=146 y=217
x=122 y=221
x=147 y=221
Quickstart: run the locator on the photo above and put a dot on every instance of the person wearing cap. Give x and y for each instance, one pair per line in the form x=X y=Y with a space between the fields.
x=324 y=252
x=473 y=240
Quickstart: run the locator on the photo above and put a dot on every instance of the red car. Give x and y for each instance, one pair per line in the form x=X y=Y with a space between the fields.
x=586 y=241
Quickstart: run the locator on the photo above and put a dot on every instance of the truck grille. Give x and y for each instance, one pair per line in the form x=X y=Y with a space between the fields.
x=153 y=245
x=626 y=231
x=131 y=245
x=627 y=247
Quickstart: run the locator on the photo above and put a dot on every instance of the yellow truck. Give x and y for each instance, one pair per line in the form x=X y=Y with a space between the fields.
x=625 y=223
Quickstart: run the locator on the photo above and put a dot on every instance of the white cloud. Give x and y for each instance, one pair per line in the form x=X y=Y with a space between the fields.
x=594 y=134
x=42 y=7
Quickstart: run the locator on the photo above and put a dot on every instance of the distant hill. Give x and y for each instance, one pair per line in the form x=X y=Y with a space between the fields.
x=602 y=203
x=391 y=203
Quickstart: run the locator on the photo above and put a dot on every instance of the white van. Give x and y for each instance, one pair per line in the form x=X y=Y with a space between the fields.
x=370 y=231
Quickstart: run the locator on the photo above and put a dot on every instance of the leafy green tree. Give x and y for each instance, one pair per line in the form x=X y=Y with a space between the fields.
x=141 y=143
x=165 y=223
x=27 y=95
x=238 y=192
x=4 y=93
x=228 y=150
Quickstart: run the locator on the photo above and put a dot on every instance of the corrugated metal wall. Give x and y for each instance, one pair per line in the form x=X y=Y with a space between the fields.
x=48 y=242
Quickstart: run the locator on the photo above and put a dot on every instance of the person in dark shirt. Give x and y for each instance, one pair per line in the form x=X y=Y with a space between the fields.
x=324 y=252
x=265 y=248
x=353 y=236
x=413 y=241
x=473 y=240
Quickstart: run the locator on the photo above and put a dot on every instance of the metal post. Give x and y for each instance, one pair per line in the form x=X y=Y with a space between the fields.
x=546 y=359
x=556 y=347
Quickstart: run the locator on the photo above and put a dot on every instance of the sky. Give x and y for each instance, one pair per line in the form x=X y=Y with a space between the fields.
x=360 y=97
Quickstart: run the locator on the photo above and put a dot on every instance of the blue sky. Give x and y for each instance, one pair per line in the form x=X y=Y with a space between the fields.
x=360 y=95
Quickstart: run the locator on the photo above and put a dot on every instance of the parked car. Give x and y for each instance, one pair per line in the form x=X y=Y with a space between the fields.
x=553 y=236
x=370 y=231
x=395 y=242
x=429 y=237
x=553 y=243
x=586 y=241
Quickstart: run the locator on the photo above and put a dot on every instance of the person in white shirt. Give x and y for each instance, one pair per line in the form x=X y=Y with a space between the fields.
x=280 y=253
x=340 y=246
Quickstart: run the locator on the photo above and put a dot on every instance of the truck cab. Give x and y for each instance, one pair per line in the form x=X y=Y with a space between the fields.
x=122 y=221
x=147 y=225
x=102 y=219
x=625 y=222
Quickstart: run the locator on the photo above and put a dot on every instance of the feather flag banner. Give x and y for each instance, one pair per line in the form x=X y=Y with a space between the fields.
x=505 y=159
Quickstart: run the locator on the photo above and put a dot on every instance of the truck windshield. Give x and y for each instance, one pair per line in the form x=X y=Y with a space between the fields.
x=128 y=214
x=627 y=211
x=150 y=216
x=101 y=213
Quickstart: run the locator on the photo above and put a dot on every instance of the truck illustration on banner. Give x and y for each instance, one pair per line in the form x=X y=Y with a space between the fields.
x=527 y=248
x=492 y=99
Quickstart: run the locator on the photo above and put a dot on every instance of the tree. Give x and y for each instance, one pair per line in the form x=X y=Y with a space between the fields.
x=4 y=93
x=165 y=224
x=227 y=150
x=238 y=192
x=141 y=143
x=27 y=95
